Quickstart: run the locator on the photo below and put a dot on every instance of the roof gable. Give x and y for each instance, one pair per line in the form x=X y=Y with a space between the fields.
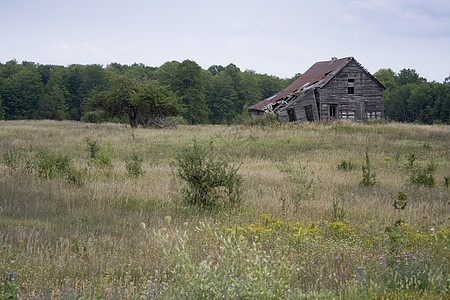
x=318 y=74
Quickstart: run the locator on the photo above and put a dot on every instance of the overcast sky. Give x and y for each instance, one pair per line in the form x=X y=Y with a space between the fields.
x=281 y=37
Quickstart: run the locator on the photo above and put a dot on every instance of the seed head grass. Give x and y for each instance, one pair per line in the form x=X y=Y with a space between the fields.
x=304 y=227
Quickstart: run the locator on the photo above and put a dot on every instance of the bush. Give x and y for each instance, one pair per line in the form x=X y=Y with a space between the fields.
x=50 y=165
x=208 y=177
x=53 y=165
x=134 y=165
x=423 y=176
x=100 y=156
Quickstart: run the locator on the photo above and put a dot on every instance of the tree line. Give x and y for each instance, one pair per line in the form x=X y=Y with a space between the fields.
x=135 y=93
x=143 y=95
x=411 y=98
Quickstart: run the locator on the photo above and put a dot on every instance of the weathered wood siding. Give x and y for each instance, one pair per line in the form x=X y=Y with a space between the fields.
x=298 y=106
x=366 y=101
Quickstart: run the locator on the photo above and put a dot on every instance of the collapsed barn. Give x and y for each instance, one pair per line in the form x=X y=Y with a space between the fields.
x=335 y=89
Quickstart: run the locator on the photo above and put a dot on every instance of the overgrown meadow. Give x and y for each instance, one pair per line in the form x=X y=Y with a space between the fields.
x=327 y=210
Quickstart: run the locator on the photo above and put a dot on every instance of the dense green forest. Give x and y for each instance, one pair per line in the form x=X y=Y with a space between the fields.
x=217 y=95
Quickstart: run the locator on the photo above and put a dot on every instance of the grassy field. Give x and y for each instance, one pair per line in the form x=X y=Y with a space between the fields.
x=306 y=226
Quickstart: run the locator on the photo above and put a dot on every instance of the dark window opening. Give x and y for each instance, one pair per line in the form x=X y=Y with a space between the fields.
x=291 y=115
x=351 y=90
x=333 y=111
x=351 y=86
x=309 y=113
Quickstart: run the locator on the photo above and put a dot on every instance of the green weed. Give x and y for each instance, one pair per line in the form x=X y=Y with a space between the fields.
x=346 y=165
x=369 y=177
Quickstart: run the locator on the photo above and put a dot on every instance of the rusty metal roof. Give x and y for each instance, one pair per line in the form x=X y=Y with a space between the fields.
x=318 y=74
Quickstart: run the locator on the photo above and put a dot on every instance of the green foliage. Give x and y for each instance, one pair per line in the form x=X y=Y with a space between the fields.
x=49 y=165
x=411 y=160
x=346 y=165
x=100 y=155
x=208 y=177
x=97 y=116
x=338 y=211
x=246 y=118
x=142 y=102
x=401 y=201
x=423 y=176
x=368 y=176
x=187 y=84
x=154 y=103
x=2 y=111
x=403 y=271
x=8 y=288
x=410 y=98
x=35 y=91
x=134 y=165
x=396 y=232
x=93 y=147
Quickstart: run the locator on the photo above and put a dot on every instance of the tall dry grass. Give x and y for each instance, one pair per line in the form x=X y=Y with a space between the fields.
x=86 y=240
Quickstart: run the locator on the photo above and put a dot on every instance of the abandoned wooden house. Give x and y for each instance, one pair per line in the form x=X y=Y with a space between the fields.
x=335 y=89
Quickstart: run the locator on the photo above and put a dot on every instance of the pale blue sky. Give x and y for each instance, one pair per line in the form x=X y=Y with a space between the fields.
x=279 y=38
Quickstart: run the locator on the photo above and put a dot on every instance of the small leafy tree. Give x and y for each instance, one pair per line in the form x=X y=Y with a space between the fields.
x=141 y=102
x=208 y=177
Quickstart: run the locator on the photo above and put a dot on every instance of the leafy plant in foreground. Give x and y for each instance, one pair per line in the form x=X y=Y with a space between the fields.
x=208 y=177
x=401 y=271
x=9 y=288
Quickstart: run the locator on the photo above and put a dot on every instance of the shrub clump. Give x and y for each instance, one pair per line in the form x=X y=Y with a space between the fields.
x=208 y=177
x=423 y=176
x=53 y=165
x=134 y=165
x=99 y=155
